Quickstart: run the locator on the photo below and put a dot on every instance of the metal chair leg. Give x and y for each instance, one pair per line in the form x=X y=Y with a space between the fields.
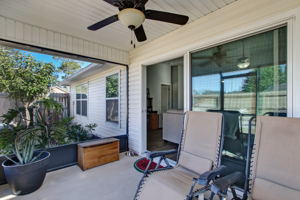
x=148 y=166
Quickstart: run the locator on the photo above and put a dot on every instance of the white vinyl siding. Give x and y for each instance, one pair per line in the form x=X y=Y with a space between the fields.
x=97 y=103
x=135 y=108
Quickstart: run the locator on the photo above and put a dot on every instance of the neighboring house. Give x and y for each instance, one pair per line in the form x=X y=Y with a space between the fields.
x=98 y=95
x=58 y=90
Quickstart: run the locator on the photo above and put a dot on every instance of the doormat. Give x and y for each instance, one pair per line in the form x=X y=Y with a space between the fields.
x=141 y=164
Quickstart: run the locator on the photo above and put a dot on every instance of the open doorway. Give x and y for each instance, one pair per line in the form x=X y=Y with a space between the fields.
x=165 y=105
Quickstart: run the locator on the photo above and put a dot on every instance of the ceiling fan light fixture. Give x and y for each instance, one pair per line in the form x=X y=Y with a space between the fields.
x=131 y=17
x=243 y=63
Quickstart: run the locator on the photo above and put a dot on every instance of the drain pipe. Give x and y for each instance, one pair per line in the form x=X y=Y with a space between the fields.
x=127 y=107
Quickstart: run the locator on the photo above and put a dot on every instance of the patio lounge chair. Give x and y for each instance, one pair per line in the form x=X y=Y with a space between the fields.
x=233 y=141
x=275 y=171
x=199 y=153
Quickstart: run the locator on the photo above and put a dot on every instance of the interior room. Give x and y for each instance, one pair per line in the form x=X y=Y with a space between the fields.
x=164 y=104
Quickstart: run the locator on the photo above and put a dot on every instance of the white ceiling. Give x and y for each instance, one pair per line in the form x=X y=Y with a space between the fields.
x=73 y=16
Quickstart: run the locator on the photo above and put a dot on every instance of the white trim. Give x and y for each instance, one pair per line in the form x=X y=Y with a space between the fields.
x=290 y=67
x=187 y=81
x=119 y=101
x=143 y=147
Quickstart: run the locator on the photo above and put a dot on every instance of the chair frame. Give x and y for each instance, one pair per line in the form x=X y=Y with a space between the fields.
x=208 y=176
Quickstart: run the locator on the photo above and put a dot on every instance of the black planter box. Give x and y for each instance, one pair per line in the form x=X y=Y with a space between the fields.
x=2 y=177
x=62 y=156
x=65 y=156
x=123 y=142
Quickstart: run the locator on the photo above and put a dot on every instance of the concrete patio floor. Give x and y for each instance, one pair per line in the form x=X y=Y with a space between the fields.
x=117 y=180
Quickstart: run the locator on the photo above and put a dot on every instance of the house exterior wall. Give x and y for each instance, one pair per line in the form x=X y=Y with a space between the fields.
x=25 y=33
x=235 y=20
x=97 y=104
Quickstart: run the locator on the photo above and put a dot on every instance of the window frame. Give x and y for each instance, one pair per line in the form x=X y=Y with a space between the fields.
x=81 y=100
x=118 y=73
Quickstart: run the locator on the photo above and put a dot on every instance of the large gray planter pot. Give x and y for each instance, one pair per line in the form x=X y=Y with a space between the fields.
x=27 y=178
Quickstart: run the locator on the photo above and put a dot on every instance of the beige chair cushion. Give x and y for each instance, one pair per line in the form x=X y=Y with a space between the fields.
x=276 y=159
x=198 y=152
x=201 y=141
x=265 y=190
x=169 y=184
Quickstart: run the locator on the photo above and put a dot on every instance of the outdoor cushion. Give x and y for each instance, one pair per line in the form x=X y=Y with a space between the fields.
x=201 y=139
x=276 y=172
x=168 y=184
x=265 y=190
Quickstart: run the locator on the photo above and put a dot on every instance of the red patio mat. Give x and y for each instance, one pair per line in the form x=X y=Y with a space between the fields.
x=141 y=164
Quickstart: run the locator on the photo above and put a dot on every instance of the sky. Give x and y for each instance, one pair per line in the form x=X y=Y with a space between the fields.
x=49 y=59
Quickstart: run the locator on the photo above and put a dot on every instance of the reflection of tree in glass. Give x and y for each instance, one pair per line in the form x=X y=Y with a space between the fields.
x=266 y=79
x=112 y=86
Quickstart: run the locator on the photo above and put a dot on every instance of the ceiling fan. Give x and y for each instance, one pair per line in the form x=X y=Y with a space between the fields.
x=218 y=57
x=132 y=13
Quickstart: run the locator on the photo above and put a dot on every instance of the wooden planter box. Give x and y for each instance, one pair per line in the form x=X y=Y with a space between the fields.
x=95 y=153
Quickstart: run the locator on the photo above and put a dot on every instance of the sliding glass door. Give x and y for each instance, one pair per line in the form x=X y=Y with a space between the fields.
x=241 y=79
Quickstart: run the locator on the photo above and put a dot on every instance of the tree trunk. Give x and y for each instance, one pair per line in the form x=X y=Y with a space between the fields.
x=27 y=114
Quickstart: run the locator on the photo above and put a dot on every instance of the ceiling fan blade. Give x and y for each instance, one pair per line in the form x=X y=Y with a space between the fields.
x=140 y=34
x=103 y=23
x=113 y=2
x=140 y=3
x=166 y=17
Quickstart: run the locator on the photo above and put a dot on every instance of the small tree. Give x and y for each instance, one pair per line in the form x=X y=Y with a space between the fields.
x=24 y=78
x=266 y=79
x=68 y=66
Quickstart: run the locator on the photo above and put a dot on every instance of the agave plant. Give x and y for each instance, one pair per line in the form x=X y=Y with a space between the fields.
x=25 y=145
x=20 y=142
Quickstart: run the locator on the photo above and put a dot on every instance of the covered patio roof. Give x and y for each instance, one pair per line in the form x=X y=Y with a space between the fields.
x=73 y=17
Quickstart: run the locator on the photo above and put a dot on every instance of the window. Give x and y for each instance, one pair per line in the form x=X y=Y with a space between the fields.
x=242 y=79
x=112 y=98
x=81 y=99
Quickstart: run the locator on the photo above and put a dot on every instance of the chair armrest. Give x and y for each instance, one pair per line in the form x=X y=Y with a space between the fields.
x=206 y=177
x=221 y=185
x=155 y=154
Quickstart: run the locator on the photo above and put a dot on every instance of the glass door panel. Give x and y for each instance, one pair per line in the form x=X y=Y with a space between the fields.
x=206 y=92
x=241 y=79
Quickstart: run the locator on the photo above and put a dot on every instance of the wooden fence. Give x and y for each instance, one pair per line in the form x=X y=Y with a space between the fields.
x=64 y=99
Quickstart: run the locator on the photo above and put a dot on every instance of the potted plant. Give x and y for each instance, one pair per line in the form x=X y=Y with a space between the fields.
x=26 y=168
